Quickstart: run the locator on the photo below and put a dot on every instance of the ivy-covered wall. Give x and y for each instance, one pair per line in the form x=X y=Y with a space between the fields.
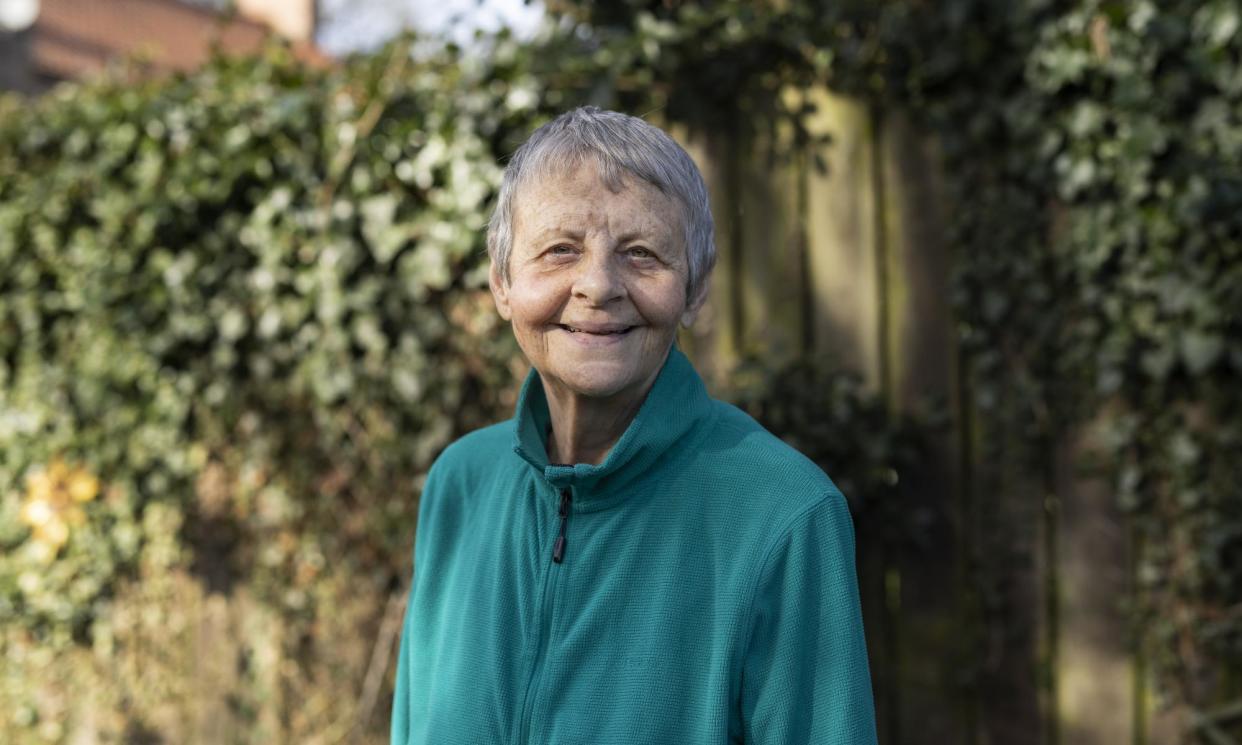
x=1090 y=153
x=241 y=311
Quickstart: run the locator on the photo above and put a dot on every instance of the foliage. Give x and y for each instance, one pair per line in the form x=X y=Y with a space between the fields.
x=1145 y=149
x=246 y=308
x=248 y=304
x=1092 y=149
x=241 y=311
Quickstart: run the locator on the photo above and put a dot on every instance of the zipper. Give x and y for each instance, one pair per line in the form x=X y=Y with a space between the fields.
x=558 y=551
x=548 y=591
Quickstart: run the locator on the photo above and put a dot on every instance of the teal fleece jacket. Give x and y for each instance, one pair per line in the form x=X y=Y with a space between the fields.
x=698 y=586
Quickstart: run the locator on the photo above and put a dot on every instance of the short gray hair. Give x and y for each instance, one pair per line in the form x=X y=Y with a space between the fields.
x=620 y=144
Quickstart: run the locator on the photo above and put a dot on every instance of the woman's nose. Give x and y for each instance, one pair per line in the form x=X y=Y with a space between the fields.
x=599 y=279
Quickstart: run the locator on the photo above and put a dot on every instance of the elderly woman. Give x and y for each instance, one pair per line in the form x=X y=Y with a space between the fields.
x=626 y=560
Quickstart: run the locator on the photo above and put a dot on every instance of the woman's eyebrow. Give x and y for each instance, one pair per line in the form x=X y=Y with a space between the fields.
x=646 y=234
x=632 y=235
x=559 y=232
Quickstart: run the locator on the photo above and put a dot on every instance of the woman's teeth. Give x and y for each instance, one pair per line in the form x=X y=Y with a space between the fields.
x=597 y=333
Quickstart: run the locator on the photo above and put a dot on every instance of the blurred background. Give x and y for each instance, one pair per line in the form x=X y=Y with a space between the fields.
x=982 y=260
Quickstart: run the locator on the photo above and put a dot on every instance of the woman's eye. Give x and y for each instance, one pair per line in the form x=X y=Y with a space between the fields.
x=639 y=252
x=561 y=250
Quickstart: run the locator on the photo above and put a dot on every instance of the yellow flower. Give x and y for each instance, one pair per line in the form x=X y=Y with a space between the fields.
x=39 y=485
x=53 y=494
x=36 y=511
x=57 y=471
x=54 y=532
x=82 y=486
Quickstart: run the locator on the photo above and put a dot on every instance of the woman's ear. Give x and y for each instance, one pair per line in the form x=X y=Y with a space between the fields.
x=500 y=291
x=696 y=303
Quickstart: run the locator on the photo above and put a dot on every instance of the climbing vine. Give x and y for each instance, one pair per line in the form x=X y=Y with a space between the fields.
x=1092 y=151
x=241 y=310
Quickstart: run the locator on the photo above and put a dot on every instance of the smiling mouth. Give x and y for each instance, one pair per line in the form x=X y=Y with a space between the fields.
x=615 y=332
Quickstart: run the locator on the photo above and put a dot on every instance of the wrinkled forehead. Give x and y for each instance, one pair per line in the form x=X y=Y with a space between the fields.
x=566 y=198
x=564 y=165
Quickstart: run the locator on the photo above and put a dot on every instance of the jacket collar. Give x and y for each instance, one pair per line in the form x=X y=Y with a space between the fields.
x=676 y=402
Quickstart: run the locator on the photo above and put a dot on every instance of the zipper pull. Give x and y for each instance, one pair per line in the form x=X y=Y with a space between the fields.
x=558 y=551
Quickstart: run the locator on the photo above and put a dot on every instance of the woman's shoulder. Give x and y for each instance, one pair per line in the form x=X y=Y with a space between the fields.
x=482 y=446
x=741 y=481
x=482 y=442
x=742 y=449
x=743 y=436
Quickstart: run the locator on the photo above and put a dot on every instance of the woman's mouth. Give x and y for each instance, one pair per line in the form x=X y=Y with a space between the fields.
x=597 y=331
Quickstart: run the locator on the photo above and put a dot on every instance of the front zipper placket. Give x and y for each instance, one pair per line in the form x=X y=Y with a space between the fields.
x=547 y=608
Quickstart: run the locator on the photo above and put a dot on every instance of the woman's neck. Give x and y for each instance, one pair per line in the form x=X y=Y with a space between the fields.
x=584 y=429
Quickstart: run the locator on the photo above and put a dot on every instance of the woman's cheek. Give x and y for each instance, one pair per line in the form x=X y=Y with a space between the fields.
x=537 y=303
x=664 y=306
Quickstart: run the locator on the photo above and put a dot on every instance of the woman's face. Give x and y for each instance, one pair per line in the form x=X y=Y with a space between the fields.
x=596 y=282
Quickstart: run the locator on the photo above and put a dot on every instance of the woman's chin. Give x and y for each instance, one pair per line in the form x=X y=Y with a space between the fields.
x=595 y=384
x=596 y=388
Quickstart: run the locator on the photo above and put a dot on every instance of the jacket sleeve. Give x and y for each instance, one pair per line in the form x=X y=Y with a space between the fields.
x=805 y=677
x=400 y=727
x=401 y=724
